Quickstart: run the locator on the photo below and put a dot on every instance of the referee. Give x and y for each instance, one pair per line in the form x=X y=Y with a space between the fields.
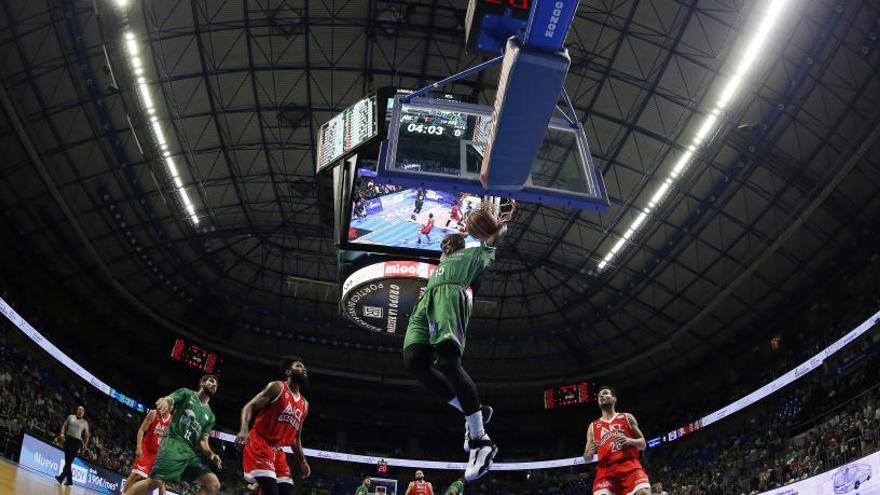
x=75 y=432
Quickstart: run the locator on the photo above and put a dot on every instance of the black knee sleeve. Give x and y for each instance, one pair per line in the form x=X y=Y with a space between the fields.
x=268 y=486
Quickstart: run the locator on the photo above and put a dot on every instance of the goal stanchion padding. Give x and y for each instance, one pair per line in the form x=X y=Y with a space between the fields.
x=528 y=90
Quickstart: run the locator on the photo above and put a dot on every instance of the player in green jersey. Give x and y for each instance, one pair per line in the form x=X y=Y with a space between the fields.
x=456 y=488
x=364 y=489
x=188 y=433
x=436 y=335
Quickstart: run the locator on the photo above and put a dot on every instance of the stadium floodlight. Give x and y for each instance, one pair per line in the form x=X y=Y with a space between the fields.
x=149 y=109
x=754 y=46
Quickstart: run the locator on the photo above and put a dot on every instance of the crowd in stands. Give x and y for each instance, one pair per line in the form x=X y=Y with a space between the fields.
x=369 y=189
x=827 y=419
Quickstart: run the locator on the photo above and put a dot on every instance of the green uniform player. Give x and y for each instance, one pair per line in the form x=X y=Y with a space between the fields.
x=178 y=458
x=364 y=489
x=456 y=488
x=443 y=312
x=437 y=332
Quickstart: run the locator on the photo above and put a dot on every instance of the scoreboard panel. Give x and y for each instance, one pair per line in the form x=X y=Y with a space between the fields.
x=197 y=357
x=567 y=395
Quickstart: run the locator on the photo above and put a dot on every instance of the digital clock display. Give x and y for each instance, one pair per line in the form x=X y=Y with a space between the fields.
x=197 y=357
x=449 y=125
x=567 y=395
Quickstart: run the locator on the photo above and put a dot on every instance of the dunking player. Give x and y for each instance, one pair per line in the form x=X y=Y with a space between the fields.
x=149 y=436
x=435 y=336
x=419 y=486
x=456 y=488
x=618 y=440
x=426 y=229
x=282 y=411
x=190 y=429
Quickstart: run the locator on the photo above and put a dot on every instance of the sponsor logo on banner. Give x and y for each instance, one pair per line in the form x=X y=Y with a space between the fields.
x=381 y=296
x=49 y=460
x=858 y=477
x=373 y=206
x=553 y=22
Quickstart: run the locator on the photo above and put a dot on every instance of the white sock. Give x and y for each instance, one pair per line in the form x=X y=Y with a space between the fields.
x=475 y=425
x=454 y=403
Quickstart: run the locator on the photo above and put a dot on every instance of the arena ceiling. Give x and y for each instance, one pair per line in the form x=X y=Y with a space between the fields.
x=789 y=183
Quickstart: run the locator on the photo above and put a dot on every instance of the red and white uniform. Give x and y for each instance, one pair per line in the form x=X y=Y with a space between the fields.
x=150 y=445
x=455 y=214
x=428 y=227
x=421 y=488
x=277 y=425
x=619 y=471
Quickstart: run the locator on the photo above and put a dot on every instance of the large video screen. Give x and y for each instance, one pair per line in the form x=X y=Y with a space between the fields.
x=394 y=216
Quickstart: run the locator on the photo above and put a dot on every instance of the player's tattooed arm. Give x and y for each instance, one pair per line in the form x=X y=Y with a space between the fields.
x=590 y=447
x=638 y=440
x=269 y=393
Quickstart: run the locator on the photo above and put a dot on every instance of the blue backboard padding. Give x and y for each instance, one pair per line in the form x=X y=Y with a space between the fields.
x=532 y=87
x=549 y=22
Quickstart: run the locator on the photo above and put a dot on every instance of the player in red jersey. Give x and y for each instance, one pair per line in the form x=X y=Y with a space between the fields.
x=426 y=229
x=419 y=486
x=282 y=411
x=454 y=214
x=148 y=437
x=618 y=440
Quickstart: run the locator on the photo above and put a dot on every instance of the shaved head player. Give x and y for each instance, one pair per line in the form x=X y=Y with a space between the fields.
x=437 y=330
x=617 y=439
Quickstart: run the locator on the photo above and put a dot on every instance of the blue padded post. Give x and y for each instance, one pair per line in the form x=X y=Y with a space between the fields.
x=528 y=89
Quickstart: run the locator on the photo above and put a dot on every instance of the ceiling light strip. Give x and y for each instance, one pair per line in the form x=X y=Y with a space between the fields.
x=149 y=110
x=754 y=47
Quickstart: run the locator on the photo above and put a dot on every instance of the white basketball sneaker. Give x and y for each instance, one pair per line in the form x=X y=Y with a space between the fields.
x=487 y=416
x=483 y=452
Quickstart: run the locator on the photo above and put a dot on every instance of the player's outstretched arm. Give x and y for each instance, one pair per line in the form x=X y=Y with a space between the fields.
x=148 y=420
x=638 y=440
x=269 y=393
x=590 y=447
x=165 y=404
x=409 y=488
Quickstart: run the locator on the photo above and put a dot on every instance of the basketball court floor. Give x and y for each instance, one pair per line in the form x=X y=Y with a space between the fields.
x=17 y=480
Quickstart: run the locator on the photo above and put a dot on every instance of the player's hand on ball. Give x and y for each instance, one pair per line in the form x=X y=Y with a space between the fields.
x=304 y=469
x=215 y=460
x=241 y=438
x=482 y=224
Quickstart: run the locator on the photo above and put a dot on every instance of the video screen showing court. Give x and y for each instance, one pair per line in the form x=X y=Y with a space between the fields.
x=394 y=216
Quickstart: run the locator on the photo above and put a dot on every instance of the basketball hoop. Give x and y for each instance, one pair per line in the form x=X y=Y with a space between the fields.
x=502 y=208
